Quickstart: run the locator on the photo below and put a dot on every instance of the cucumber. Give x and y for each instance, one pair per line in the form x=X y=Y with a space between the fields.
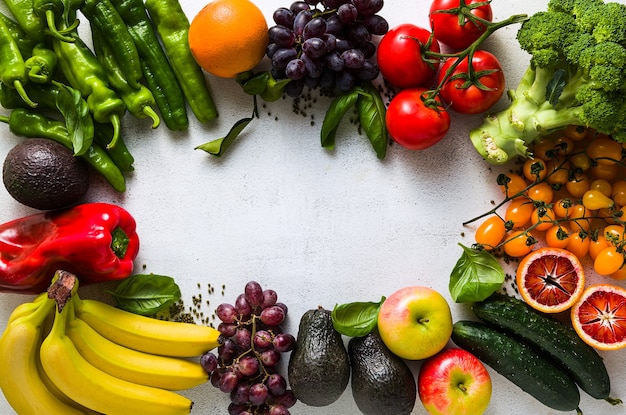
x=519 y=363
x=551 y=338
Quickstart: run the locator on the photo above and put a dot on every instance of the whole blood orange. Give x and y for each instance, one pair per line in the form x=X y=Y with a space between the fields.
x=599 y=317
x=228 y=37
x=550 y=280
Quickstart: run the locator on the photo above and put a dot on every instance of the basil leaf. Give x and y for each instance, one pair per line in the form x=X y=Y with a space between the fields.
x=371 y=109
x=356 y=319
x=274 y=89
x=146 y=294
x=257 y=84
x=476 y=275
x=219 y=146
x=78 y=121
x=338 y=108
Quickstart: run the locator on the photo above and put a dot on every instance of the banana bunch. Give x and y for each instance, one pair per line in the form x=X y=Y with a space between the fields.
x=83 y=356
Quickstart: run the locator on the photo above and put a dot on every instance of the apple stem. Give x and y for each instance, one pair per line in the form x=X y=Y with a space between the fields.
x=462 y=387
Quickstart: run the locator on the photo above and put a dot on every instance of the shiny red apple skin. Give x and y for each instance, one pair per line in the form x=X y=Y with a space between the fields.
x=454 y=382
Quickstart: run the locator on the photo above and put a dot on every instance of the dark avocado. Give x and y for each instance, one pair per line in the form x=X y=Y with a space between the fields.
x=43 y=174
x=382 y=383
x=319 y=367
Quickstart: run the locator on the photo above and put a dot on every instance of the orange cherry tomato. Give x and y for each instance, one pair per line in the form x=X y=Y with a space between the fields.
x=490 y=232
x=534 y=170
x=608 y=261
x=605 y=171
x=604 y=150
x=603 y=186
x=557 y=236
x=518 y=243
x=578 y=244
x=518 y=212
x=576 y=132
x=515 y=185
x=558 y=172
x=619 y=191
x=578 y=185
x=542 y=218
x=541 y=192
x=580 y=217
x=597 y=245
x=562 y=207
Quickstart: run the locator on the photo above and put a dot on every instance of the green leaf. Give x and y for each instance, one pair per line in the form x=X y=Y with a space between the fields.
x=218 y=147
x=555 y=87
x=476 y=275
x=78 y=121
x=338 y=108
x=146 y=294
x=371 y=109
x=356 y=319
x=274 y=89
x=257 y=84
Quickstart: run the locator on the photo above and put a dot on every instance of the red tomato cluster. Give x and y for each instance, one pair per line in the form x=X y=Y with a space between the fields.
x=409 y=57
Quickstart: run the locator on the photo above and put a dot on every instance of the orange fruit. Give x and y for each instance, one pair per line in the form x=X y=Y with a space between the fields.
x=228 y=37
x=599 y=317
x=550 y=279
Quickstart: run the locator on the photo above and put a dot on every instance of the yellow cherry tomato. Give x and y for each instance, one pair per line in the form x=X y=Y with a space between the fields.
x=557 y=236
x=608 y=261
x=490 y=232
x=541 y=192
x=597 y=245
x=595 y=199
x=576 y=132
x=605 y=150
x=619 y=191
x=534 y=170
x=518 y=212
x=518 y=243
x=578 y=244
x=542 y=218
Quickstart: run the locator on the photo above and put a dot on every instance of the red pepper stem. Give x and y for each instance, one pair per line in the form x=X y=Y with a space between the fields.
x=115 y=121
x=119 y=242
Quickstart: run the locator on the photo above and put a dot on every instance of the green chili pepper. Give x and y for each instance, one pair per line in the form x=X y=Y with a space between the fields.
x=24 y=13
x=12 y=67
x=102 y=15
x=120 y=155
x=25 y=43
x=156 y=67
x=50 y=11
x=139 y=102
x=84 y=72
x=41 y=65
x=34 y=125
x=172 y=26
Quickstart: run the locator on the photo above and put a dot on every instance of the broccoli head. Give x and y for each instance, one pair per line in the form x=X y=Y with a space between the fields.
x=576 y=76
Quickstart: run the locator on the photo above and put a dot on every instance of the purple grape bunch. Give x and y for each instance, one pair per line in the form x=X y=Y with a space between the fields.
x=246 y=363
x=327 y=43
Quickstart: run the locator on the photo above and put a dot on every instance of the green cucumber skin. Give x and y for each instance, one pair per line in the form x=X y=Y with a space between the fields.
x=519 y=363
x=552 y=338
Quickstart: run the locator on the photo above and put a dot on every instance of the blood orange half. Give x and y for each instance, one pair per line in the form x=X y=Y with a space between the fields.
x=599 y=317
x=550 y=280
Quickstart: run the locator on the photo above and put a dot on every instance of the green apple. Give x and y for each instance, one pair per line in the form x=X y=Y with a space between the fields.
x=415 y=322
x=454 y=382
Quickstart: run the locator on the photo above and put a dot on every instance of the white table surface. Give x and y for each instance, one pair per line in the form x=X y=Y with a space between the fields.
x=319 y=227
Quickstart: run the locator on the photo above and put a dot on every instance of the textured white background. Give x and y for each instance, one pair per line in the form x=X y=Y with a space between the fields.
x=319 y=227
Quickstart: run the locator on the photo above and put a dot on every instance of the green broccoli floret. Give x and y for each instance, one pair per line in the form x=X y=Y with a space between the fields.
x=576 y=76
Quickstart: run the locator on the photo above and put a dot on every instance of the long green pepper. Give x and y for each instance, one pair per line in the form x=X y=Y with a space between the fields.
x=139 y=102
x=24 y=13
x=12 y=67
x=172 y=25
x=103 y=16
x=29 y=124
x=25 y=43
x=50 y=11
x=157 y=71
x=84 y=72
x=41 y=64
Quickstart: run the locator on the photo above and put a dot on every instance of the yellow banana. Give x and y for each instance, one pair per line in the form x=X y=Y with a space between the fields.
x=27 y=308
x=146 y=334
x=19 y=378
x=163 y=372
x=95 y=389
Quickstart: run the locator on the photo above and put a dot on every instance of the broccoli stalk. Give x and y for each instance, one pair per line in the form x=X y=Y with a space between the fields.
x=576 y=76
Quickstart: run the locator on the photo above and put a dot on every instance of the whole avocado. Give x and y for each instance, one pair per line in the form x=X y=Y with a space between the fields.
x=319 y=367
x=382 y=383
x=43 y=174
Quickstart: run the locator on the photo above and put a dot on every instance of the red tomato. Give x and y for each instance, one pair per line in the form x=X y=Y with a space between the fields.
x=473 y=93
x=446 y=26
x=414 y=125
x=400 y=56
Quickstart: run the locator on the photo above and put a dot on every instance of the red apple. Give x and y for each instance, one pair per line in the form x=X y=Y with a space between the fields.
x=415 y=322
x=454 y=382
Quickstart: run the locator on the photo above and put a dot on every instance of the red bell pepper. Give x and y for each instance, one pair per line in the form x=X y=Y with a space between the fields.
x=95 y=241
